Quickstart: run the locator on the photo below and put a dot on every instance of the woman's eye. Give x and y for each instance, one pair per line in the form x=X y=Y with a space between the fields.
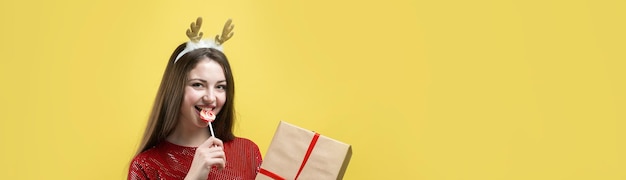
x=221 y=86
x=197 y=85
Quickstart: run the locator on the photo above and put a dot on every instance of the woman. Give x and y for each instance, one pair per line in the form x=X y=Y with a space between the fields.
x=177 y=143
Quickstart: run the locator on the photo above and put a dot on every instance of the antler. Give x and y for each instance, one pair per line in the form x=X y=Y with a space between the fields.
x=193 y=32
x=227 y=33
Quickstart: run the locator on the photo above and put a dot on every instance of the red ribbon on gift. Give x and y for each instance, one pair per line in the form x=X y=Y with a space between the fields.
x=306 y=158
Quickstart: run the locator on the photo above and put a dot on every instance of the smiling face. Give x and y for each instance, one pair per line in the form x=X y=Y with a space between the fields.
x=205 y=89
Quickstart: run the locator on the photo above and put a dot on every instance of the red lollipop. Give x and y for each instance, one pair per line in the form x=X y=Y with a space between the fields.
x=207 y=115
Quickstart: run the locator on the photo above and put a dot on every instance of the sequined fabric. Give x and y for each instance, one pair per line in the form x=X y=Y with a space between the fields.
x=171 y=161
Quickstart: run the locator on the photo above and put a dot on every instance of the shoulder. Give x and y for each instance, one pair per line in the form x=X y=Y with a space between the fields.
x=246 y=149
x=242 y=140
x=239 y=141
x=147 y=163
x=140 y=165
x=142 y=159
x=150 y=153
x=146 y=158
x=242 y=143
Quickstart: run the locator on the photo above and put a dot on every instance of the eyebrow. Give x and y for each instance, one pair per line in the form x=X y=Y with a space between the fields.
x=204 y=81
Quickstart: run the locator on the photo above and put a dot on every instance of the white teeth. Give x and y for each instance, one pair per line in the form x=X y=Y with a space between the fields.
x=204 y=108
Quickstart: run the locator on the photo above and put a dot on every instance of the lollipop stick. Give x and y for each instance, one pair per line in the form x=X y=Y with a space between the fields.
x=211 y=128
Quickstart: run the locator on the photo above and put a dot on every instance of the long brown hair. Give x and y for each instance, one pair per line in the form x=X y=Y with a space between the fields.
x=169 y=98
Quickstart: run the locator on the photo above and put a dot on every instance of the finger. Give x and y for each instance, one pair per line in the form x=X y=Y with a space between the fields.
x=216 y=149
x=217 y=155
x=212 y=141
x=219 y=163
x=217 y=141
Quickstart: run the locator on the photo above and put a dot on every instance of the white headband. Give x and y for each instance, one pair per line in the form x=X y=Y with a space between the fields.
x=196 y=41
x=205 y=43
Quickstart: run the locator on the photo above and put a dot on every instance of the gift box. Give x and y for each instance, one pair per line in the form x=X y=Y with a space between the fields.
x=297 y=153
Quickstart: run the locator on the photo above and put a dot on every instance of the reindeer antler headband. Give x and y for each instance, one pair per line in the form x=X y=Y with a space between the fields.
x=196 y=41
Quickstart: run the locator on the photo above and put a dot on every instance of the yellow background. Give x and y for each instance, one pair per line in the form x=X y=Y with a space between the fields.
x=432 y=90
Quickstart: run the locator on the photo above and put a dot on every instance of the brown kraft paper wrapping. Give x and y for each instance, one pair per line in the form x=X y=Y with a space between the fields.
x=328 y=158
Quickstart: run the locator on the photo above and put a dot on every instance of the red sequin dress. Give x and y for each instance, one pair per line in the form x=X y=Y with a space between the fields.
x=170 y=161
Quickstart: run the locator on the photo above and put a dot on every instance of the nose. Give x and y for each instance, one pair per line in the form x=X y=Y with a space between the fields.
x=209 y=97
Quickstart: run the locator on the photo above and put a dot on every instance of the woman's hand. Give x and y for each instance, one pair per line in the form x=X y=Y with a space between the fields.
x=208 y=154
